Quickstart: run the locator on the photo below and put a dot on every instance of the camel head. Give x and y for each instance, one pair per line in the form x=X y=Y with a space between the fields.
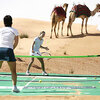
x=65 y=6
x=98 y=7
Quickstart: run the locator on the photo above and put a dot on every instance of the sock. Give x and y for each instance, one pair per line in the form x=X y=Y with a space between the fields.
x=15 y=86
x=27 y=71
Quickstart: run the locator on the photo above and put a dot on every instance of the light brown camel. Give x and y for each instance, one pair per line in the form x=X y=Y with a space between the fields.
x=73 y=16
x=58 y=15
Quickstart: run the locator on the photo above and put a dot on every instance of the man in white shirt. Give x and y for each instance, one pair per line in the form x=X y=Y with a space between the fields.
x=37 y=44
x=8 y=42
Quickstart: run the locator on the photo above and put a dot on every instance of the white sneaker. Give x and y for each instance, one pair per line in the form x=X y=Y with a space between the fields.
x=15 y=90
x=44 y=73
x=28 y=73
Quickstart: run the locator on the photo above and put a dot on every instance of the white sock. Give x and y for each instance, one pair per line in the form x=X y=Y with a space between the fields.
x=27 y=71
x=15 y=86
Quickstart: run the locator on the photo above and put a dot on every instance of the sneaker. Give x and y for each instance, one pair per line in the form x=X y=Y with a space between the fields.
x=28 y=73
x=44 y=73
x=15 y=90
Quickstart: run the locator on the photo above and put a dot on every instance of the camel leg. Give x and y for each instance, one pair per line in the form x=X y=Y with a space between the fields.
x=62 y=27
x=55 y=29
x=82 y=26
x=68 y=29
x=71 y=29
x=52 y=29
x=58 y=29
x=68 y=26
x=86 y=25
x=71 y=20
x=51 y=32
x=53 y=24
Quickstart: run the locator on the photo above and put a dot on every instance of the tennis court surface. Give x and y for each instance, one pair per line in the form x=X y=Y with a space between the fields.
x=53 y=84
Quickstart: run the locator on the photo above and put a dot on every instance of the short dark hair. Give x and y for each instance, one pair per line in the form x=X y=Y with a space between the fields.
x=42 y=32
x=7 y=20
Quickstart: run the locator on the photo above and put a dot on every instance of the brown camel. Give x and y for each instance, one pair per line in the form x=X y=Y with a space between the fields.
x=58 y=15
x=83 y=15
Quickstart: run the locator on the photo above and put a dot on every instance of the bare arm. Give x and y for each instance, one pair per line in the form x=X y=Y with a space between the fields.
x=16 y=40
x=44 y=47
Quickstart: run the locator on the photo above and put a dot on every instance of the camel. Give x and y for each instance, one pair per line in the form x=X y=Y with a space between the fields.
x=83 y=16
x=58 y=15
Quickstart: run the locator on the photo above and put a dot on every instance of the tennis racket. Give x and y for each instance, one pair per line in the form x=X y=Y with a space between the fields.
x=45 y=54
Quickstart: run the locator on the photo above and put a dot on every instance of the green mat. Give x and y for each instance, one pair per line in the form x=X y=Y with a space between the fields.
x=53 y=84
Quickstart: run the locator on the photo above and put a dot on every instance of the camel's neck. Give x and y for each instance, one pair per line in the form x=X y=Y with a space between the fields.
x=66 y=9
x=94 y=12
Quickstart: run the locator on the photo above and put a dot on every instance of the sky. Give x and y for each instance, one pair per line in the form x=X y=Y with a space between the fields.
x=41 y=9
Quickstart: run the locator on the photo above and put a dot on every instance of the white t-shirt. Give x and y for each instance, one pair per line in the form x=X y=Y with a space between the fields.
x=37 y=45
x=7 y=35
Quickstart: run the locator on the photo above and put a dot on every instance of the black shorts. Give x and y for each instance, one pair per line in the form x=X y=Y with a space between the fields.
x=7 y=54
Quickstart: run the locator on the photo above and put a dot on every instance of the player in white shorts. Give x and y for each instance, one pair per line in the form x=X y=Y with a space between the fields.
x=36 y=45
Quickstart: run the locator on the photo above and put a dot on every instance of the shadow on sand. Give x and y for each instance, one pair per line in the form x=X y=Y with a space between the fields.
x=74 y=36
x=80 y=35
x=37 y=67
x=93 y=34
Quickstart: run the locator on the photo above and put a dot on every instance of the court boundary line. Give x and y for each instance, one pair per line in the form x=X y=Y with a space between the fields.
x=71 y=79
x=56 y=81
x=27 y=84
x=49 y=87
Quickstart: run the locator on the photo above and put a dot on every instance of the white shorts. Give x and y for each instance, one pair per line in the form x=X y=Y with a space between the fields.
x=36 y=53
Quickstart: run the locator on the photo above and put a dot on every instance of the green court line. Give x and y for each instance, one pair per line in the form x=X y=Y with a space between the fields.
x=57 y=56
x=56 y=88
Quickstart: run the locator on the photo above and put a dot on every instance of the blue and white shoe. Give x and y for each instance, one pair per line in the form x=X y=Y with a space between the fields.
x=44 y=73
x=28 y=73
x=15 y=90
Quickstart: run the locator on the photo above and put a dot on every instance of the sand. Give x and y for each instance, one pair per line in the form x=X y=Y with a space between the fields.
x=63 y=46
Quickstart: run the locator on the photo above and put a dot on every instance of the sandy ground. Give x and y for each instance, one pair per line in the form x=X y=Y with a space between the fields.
x=50 y=98
x=62 y=46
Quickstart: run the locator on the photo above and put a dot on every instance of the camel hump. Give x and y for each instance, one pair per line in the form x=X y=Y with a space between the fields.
x=81 y=10
x=59 y=11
